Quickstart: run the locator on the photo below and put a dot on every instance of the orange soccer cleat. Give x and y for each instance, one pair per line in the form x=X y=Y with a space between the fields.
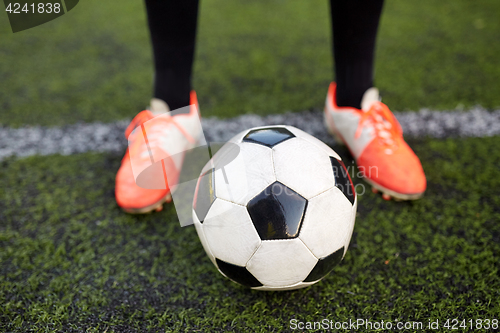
x=155 y=148
x=375 y=139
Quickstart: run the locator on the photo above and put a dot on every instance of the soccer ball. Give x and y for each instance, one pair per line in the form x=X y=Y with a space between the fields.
x=275 y=208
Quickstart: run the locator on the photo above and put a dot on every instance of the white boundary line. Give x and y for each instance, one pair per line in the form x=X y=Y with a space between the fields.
x=99 y=137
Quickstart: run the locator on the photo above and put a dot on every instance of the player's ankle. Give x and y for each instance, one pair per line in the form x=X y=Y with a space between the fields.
x=351 y=96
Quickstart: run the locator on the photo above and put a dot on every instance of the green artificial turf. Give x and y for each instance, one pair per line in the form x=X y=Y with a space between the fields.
x=94 y=63
x=71 y=261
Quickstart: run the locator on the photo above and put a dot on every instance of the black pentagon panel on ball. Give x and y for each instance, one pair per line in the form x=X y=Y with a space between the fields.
x=277 y=212
x=204 y=195
x=269 y=136
x=325 y=265
x=342 y=179
x=238 y=274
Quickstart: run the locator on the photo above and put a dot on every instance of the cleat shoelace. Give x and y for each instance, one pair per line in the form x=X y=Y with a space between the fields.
x=385 y=124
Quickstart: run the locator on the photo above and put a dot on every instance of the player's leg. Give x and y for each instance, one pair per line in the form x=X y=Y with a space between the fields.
x=354 y=112
x=155 y=147
x=355 y=24
x=172 y=25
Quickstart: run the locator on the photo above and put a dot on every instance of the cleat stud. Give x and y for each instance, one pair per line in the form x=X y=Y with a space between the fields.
x=386 y=196
x=169 y=198
x=374 y=190
x=159 y=208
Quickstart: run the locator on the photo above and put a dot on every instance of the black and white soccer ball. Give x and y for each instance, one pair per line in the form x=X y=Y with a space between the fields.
x=275 y=208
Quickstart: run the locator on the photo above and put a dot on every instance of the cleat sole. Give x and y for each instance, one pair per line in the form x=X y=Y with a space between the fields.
x=388 y=194
x=158 y=206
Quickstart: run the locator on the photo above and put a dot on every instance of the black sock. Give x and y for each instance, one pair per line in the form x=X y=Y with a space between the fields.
x=355 y=24
x=172 y=25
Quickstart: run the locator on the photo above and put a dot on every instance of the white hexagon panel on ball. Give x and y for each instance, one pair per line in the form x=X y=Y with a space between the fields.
x=230 y=233
x=281 y=263
x=303 y=167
